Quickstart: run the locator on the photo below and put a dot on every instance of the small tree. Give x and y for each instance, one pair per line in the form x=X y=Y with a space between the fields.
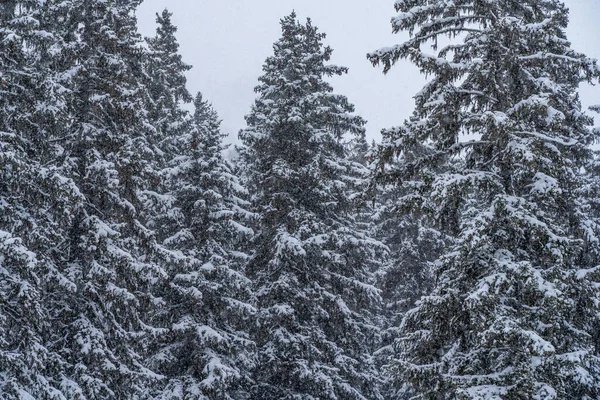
x=166 y=86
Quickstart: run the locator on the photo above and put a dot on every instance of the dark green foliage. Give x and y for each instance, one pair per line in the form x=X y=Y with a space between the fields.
x=34 y=197
x=206 y=301
x=493 y=154
x=311 y=264
x=109 y=256
x=197 y=208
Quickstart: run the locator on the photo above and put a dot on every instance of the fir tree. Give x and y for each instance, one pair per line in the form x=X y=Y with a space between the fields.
x=165 y=91
x=167 y=82
x=21 y=347
x=207 y=302
x=108 y=257
x=310 y=263
x=197 y=210
x=35 y=198
x=413 y=246
x=591 y=191
x=512 y=314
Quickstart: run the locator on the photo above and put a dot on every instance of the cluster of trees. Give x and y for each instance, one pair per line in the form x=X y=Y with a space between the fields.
x=458 y=259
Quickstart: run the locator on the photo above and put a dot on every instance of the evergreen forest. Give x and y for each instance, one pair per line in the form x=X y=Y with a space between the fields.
x=456 y=259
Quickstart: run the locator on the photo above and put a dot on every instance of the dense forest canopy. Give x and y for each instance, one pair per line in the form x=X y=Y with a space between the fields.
x=457 y=258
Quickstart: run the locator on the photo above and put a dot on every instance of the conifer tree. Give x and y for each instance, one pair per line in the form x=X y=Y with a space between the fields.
x=512 y=314
x=413 y=247
x=406 y=273
x=591 y=191
x=207 y=302
x=197 y=210
x=167 y=82
x=109 y=257
x=20 y=308
x=166 y=91
x=34 y=199
x=310 y=263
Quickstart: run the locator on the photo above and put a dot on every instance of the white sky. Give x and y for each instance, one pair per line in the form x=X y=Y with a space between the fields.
x=228 y=41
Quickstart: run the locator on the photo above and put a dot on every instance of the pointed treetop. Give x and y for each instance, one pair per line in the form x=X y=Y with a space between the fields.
x=203 y=110
x=165 y=26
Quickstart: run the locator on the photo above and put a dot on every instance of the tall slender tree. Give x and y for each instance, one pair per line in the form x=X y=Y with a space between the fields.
x=512 y=314
x=197 y=208
x=407 y=271
x=20 y=308
x=166 y=86
x=310 y=263
x=35 y=198
x=109 y=256
x=207 y=300
x=169 y=122
x=591 y=191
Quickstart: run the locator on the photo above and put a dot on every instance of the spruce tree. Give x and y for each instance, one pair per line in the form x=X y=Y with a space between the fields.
x=197 y=210
x=406 y=274
x=166 y=84
x=413 y=246
x=166 y=92
x=591 y=191
x=206 y=297
x=35 y=198
x=108 y=257
x=20 y=306
x=310 y=264
x=513 y=312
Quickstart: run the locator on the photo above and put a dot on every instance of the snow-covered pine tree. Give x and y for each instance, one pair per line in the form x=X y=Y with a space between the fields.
x=167 y=82
x=357 y=180
x=359 y=150
x=512 y=314
x=198 y=213
x=590 y=196
x=207 y=299
x=22 y=355
x=35 y=199
x=413 y=246
x=108 y=257
x=166 y=92
x=310 y=265
x=591 y=191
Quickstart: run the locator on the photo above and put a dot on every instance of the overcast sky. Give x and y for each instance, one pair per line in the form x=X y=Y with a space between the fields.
x=228 y=41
